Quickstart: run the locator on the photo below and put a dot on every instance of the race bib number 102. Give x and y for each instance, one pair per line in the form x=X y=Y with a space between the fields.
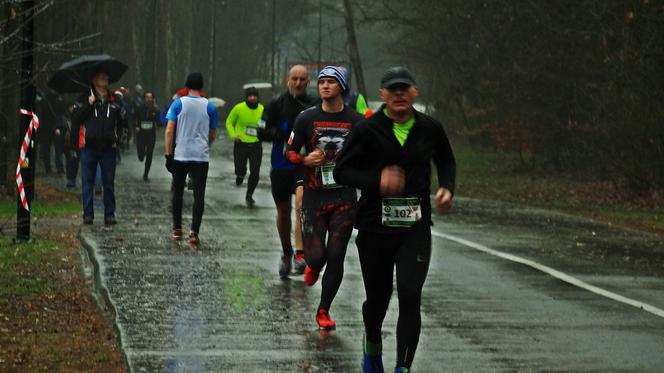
x=401 y=212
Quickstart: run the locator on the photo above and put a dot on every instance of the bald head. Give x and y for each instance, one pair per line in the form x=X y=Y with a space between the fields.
x=297 y=68
x=297 y=80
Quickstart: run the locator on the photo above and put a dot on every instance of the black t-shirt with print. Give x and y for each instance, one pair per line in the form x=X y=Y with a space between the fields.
x=317 y=129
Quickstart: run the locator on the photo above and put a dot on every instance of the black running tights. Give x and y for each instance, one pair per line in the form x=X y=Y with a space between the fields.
x=379 y=253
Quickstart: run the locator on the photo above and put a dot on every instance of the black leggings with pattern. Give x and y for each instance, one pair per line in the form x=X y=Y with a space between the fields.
x=333 y=221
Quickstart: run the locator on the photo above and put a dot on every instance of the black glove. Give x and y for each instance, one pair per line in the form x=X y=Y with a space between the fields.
x=170 y=163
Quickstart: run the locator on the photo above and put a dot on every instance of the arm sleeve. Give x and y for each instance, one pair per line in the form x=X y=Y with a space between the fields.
x=137 y=119
x=174 y=110
x=230 y=122
x=272 y=122
x=347 y=170
x=296 y=141
x=214 y=117
x=361 y=104
x=445 y=162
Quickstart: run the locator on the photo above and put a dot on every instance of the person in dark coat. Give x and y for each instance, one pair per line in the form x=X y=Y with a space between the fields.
x=145 y=128
x=102 y=120
x=388 y=157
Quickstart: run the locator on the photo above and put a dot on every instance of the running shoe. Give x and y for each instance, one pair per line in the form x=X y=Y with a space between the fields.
x=324 y=320
x=371 y=363
x=238 y=180
x=250 y=201
x=299 y=264
x=193 y=238
x=310 y=276
x=285 y=266
x=177 y=234
x=87 y=220
x=401 y=370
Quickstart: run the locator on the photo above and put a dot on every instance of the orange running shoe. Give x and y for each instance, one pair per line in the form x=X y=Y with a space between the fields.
x=310 y=276
x=324 y=321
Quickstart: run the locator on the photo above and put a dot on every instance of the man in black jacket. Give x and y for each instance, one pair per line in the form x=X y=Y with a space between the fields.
x=102 y=119
x=279 y=116
x=388 y=157
x=145 y=127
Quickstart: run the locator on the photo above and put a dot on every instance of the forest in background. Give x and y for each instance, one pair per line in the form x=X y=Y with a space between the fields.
x=573 y=87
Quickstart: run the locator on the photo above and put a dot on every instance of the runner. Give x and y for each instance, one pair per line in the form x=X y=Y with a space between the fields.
x=388 y=157
x=354 y=99
x=147 y=117
x=327 y=208
x=242 y=125
x=280 y=115
x=187 y=148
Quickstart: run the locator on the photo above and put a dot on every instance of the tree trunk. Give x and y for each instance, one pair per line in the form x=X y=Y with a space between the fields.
x=170 y=50
x=137 y=38
x=211 y=52
x=355 y=61
x=27 y=102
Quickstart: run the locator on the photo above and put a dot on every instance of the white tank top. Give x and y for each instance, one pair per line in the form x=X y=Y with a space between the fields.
x=192 y=141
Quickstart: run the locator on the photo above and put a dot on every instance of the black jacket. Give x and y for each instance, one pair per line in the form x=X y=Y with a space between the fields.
x=372 y=146
x=146 y=114
x=280 y=115
x=102 y=120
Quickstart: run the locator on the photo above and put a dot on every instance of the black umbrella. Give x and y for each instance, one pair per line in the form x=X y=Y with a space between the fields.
x=74 y=76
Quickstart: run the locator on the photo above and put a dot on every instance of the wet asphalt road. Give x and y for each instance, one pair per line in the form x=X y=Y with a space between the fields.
x=221 y=306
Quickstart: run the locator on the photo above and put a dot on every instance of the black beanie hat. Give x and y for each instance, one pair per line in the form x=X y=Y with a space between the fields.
x=194 y=81
x=251 y=91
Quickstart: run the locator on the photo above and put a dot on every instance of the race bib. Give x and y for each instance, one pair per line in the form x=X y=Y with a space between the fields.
x=327 y=177
x=251 y=131
x=401 y=212
x=146 y=125
x=261 y=124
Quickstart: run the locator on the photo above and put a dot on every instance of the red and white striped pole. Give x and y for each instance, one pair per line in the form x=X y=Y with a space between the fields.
x=23 y=162
x=27 y=126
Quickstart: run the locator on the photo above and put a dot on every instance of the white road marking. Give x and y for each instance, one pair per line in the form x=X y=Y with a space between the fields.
x=555 y=273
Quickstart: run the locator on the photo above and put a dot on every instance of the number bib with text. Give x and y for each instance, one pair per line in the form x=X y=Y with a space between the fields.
x=327 y=177
x=251 y=131
x=146 y=125
x=401 y=212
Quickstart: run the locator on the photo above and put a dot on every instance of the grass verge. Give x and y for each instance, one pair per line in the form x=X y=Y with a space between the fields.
x=492 y=176
x=49 y=320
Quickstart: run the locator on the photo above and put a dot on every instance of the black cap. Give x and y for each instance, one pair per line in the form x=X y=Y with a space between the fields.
x=194 y=81
x=396 y=75
x=251 y=91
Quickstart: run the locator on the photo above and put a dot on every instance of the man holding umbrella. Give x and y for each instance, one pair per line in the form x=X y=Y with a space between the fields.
x=96 y=122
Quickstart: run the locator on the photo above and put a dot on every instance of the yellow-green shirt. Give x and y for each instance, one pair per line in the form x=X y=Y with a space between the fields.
x=401 y=130
x=361 y=104
x=243 y=121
